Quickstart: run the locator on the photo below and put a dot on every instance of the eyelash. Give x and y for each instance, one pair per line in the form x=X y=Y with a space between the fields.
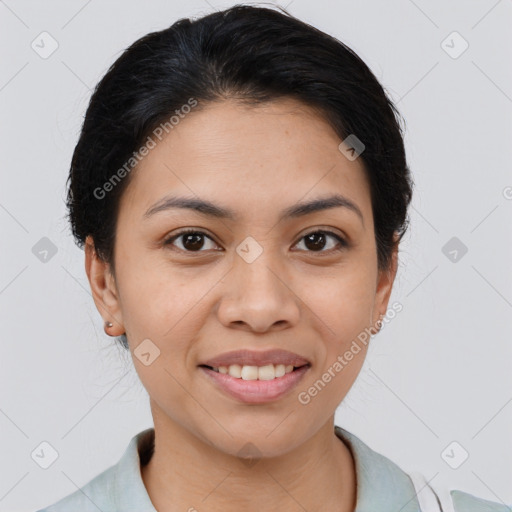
x=343 y=244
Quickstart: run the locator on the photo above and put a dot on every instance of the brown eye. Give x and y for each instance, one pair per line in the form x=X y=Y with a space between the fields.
x=316 y=241
x=192 y=240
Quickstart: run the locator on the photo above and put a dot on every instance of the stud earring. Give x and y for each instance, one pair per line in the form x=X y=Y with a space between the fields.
x=379 y=322
x=108 y=324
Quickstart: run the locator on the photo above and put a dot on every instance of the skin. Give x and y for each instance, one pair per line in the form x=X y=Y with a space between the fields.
x=196 y=305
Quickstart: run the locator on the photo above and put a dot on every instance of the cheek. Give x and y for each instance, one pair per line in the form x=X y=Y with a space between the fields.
x=341 y=307
x=167 y=311
x=158 y=300
x=343 y=300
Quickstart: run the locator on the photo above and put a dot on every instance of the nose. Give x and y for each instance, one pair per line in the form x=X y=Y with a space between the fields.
x=257 y=297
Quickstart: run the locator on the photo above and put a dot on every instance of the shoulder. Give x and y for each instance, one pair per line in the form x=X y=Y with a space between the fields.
x=383 y=485
x=465 y=502
x=95 y=495
x=120 y=487
x=437 y=498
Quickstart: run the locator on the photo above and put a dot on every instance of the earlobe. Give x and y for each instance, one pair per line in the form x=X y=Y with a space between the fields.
x=103 y=289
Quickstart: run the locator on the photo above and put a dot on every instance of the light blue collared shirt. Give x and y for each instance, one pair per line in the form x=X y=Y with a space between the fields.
x=381 y=485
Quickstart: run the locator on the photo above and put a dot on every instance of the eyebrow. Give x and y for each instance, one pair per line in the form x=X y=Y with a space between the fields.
x=210 y=209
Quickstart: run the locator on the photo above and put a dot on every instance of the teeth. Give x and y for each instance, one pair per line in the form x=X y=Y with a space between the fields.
x=267 y=372
x=280 y=370
x=235 y=370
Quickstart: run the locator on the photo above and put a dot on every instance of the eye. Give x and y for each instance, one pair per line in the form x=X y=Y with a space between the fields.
x=192 y=240
x=315 y=241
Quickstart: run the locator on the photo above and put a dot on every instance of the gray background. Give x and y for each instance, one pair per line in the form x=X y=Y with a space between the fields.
x=438 y=373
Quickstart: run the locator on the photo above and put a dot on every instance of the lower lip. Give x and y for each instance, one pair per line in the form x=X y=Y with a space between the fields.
x=256 y=391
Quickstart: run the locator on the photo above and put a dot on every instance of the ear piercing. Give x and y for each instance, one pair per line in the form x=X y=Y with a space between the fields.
x=379 y=322
x=108 y=324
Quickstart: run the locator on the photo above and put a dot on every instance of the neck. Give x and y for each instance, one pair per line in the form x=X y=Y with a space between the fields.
x=185 y=473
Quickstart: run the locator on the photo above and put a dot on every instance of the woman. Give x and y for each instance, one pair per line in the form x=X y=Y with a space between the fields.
x=240 y=188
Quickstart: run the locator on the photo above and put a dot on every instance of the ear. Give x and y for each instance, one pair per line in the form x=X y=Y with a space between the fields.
x=103 y=288
x=385 y=281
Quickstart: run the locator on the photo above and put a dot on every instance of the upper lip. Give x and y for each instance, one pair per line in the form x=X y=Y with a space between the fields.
x=256 y=358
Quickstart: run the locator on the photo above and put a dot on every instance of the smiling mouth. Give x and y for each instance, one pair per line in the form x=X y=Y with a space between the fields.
x=250 y=372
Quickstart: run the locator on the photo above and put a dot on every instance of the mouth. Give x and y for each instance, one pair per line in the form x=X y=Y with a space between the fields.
x=252 y=372
x=255 y=385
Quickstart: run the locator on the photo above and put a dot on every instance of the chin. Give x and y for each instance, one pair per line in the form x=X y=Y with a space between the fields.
x=261 y=440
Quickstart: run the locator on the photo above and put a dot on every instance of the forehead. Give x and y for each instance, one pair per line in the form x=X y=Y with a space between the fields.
x=274 y=154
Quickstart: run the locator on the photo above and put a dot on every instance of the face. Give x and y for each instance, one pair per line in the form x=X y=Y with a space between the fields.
x=259 y=280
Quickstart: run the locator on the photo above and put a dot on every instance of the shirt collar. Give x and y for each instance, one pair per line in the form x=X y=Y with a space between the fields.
x=130 y=493
x=381 y=484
